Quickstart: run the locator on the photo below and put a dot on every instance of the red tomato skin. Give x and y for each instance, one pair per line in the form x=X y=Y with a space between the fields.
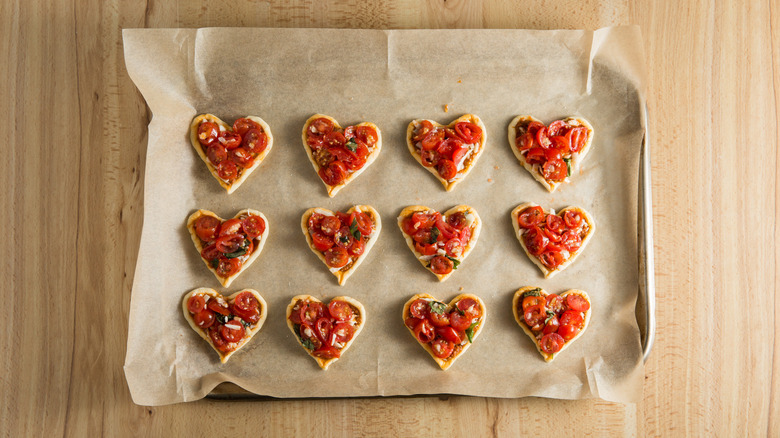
x=458 y=321
x=424 y=331
x=442 y=348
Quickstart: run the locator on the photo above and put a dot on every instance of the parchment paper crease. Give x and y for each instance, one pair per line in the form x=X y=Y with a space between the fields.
x=389 y=78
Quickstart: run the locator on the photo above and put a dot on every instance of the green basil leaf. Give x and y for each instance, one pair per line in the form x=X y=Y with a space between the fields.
x=437 y=307
x=222 y=319
x=568 y=166
x=244 y=323
x=532 y=293
x=214 y=263
x=354 y=230
x=351 y=145
x=434 y=235
x=307 y=343
x=550 y=315
x=470 y=331
x=455 y=262
x=240 y=251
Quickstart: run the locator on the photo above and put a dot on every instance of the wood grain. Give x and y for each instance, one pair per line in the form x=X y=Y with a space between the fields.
x=73 y=171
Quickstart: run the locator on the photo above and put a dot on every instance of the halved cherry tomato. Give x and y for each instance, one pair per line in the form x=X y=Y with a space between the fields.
x=210 y=252
x=218 y=340
x=551 y=326
x=535 y=241
x=554 y=170
x=241 y=156
x=449 y=334
x=457 y=220
x=315 y=141
x=343 y=332
x=311 y=312
x=424 y=331
x=357 y=248
x=445 y=229
x=469 y=132
x=533 y=301
x=439 y=319
x=534 y=317
x=441 y=265
x=551 y=343
x=335 y=139
x=206 y=227
x=454 y=247
x=254 y=226
x=204 y=319
x=422 y=236
x=422 y=220
x=228 y=267
x=530 y=217
x=349 y=132
x=227 y=170
x=229 y=243
x=556 y=128
x=196 y=303
x=552 y=154
x=422 y=130
x=469 y=307
x=216 y=153
x=465 y=236
x=442 y=348
x=362 y=153
x=458 y=321
x=571 y=240
x=251 y=316
x=577 y=302
x=543 y=139
x=366 y=135
x=230 y=226
x=334 y=174
x=233 y=331
x=572 y=317
x=242 y=125
x=330 y=225
x=560 y=144
x=216 y=307
x=554 y=223
x=336 y=257
x=552 y=259
x=419 y=308
x=535 y=155
x=230 y=140
x=245 y=301
x=524 y=140
x=315 y=221
x=295 y=314
x=425 y=249
x=321 y=126
x=572 y=219
x=327 y=352
x=412 y=322
x=340 y=310
x=555 y=303
x=458 y=154
x=447 y=169
x=344 y=237
x=577 y=138
x=255 y=141
x=321 y=241
x=308 y=333
x=429 y=158
x=363 y=222
x=432 y=140
x=207 y=133
x=448 y=146
x=568 y=331
x=324 y=327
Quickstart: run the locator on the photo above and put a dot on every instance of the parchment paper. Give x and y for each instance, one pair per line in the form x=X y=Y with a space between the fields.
x=389 y=78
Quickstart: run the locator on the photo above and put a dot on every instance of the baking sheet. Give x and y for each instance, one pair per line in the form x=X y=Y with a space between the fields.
x=389 y=78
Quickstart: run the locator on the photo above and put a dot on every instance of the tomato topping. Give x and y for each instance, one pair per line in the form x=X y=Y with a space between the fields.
x=555 y=303
x=469 y=132
x=530 y=217
x=216 y=307
x=336 y=257
x=552 y=154
x=253 y=226
x=340 y=310
x=251 y=316
x=330 y=225
x=441 y=265
x=571 y=240
x=555 y=223
x=242 y=125
x=308 y=333
x=419 y=308
x=228 y=267
x=429 y=158
x=295 y=314
x=457 y=220
x=465 y=236
x=556 y=128
x=327 y=352
x=535 y=241
x=230 y=140
x=535 y=155
x=229 y=243
x=572 y=219
x=424 y=331
x=448 y=146
x=230 y=226
x=577 y=138
x=334 y=174
x=321 y=241
x=311 y=312
x=551 y=326
x=422 y=220
x=458 y=321
x=207 y=133
x=216 y=153
x=432 y=140
x=245 y=301
x=233 y=331
x=533 y=301
x=572 y=317
x=206 y=227
x=343 y=332
x=218 y=340
x=551 y=343
x=210 y=252
x=422 y=236
x=439 y=319
x=524 y=140
x=445 y=229
x=196 y=303
x=321 y=126
x=255 y=141
x=552 y=259
x=366 y=135
x=357 y=248
x=449 y=334
x=412 y=322
x=442 y=348
x=363 y=222
x=241 y=156
x=577 y=302
x=458 y=154
x=568 y=331
x=560 y=144
x=534 y=317
x=335 y=139
x=469 y=307
x=454 y=247
x=344 y=237
x=447 y=169
x=324 y=327
x=227 y=170
x=204 y=319
x=425 y=249
x=422 y=130
x=542 y=138
x=554 y=170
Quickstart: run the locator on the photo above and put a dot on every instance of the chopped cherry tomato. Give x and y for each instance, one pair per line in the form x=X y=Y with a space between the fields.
x=241 y=156
x=215 y=306
x=242 y=125
x=206 y=227
x=555 y=303
x=343 y=332
x=321 y=241
x=357 y=248
x=534 y=317
x=458 y=154
x=311 y=312
x=324 y=327
x=555 y=223
x=446 y=230
x=551 y=326
x=218 y=340
x=429 y=158
x=577 y=302
x=233 y=331
x=228 y=139
x=335 y=139
x=535 y=155
x=330 y=225
x=533 y=301
x=340 y=310
x=334 y=174
x=336 y=257
x=425 y=249
x=295 y=314
x=228 y=267
x=449 y=334
x=577 y=138
x=422 y=220
x=432 y=140
x=572 y=219
x=530 y=217
x=366 y=135
x=441 y=265
x=442 y=348
x=327 y=352
x=216 y=153
x=454 y=247
x=315 y=141
x=448 y=146
x=344 y=237
x=229 y=243
x=254 y=226
x=204 y=319
x=321 y=126
x=343 y=217
x=571 y=240
x=424 y=331
x=458 y=321
x=551 y=258
x=469 y=132
x=551 y=343
x=227 y=170
x=439 y=319
x=196 y=303
x=469 y=307
x=554 y=170
x=207 y=133
x=535 y=241
x=364 y=223
x=419 y=308
x=447 y=169
x=422 y=130
x=246 y=301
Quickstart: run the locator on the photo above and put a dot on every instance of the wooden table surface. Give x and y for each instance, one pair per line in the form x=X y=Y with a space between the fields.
x=74 y=169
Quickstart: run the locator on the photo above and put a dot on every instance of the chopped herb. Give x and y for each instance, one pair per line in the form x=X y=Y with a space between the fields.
x=222 y=319
x=568 y=166
x=351 y=145
x=240 y=251
x=470 y=331
x=354 y=230
x=307 y=343
x=437 y=307
x=550 y=315
x=455 y=262
x=434 y=235
x=532 y=293
x=343 y=239
x=244 y=323
x=214 y=263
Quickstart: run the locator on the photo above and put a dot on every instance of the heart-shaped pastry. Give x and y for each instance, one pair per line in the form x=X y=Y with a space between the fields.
x=448 y=152
x=445 y=331
x=325 y=331
x=228 y=247
x=550 y=153
x=552 y=241
x=440 y=241
x=339 y=155
x=341 y=240
x=552 y=321
x=227 y=324
x=231 y=153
